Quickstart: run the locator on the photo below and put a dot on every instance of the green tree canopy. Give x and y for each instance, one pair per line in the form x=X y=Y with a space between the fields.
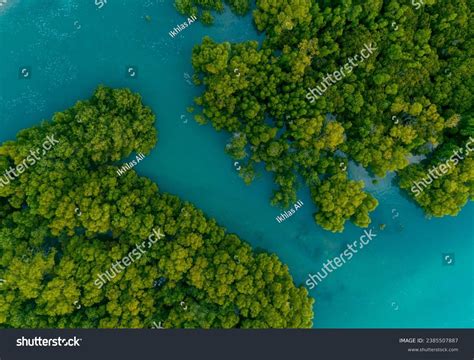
x=70 y=216
x=404 y=100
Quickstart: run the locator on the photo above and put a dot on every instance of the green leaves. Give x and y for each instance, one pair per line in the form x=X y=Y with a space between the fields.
x=71 y=218
x=339 y=200
x=398 y=103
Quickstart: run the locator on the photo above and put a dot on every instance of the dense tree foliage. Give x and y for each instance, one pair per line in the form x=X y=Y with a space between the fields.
x=202 y=8
x=448 y=192
x=70 y=216
x=402 y=101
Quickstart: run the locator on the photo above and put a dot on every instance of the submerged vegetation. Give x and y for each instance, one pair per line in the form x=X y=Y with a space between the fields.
x=69 y=217
x=412 y=96
x=202 y=8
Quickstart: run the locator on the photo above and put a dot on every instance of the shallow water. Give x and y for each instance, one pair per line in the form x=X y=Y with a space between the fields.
x=69 y=47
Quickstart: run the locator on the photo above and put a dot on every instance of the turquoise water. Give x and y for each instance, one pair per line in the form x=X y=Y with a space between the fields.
x=69 y=47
